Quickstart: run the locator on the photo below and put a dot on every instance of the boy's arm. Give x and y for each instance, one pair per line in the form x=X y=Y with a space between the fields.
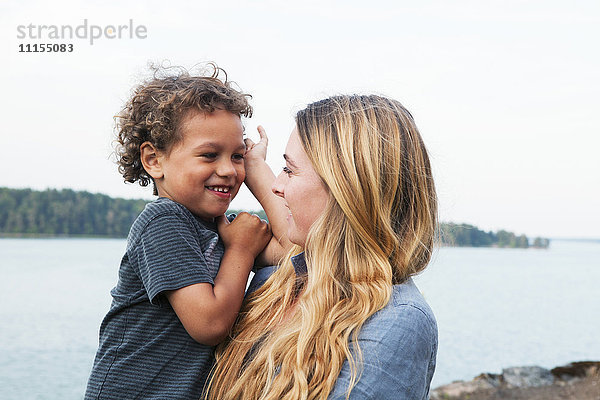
x=259 y=179
x=207 y=312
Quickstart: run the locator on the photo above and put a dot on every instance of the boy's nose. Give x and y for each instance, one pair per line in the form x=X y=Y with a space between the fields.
x=225 y=168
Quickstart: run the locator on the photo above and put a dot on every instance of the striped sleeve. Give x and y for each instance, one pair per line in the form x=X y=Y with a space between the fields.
x=169 y=256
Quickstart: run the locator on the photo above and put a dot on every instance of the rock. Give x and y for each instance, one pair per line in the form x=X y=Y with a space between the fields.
x=454 y=389
x=489 y=385
x=527 y=376
x=460 y=388
x=577 y=370
x=493 y=379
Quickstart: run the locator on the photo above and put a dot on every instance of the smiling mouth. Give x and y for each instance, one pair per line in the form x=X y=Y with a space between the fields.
x=221 y=189
x=222 y=192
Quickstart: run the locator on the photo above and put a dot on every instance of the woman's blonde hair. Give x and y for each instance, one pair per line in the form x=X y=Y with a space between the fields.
x=377 y=230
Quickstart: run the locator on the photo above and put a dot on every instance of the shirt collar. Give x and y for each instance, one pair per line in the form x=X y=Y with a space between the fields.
x=299 y=263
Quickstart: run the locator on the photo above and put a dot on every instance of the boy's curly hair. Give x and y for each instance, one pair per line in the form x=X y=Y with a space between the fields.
x=155 y=110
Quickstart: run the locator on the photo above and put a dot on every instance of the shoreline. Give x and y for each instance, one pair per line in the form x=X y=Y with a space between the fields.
x=577 y=380
x=22 y=235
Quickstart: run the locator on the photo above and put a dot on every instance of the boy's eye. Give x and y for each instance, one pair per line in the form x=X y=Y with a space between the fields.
x=209 y=155
x=238 y=157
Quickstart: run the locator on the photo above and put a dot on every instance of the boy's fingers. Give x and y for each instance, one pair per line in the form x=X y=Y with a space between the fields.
x=263 y=134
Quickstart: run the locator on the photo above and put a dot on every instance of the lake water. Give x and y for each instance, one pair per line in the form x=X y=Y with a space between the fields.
x=495 y=308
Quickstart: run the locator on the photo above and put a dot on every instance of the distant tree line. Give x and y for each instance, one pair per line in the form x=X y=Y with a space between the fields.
x=470 y=236
x=65 y=212
x=261 y=213
x=26 y=212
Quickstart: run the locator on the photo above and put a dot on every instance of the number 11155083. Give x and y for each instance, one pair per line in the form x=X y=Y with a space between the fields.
x=46 y=48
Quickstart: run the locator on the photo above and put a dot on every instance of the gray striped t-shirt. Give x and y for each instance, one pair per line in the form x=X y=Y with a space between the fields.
x=144 y=350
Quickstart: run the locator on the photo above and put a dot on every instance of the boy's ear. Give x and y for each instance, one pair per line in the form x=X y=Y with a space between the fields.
x=150 y=158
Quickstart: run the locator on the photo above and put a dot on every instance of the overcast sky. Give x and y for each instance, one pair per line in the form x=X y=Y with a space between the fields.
x=506 y=93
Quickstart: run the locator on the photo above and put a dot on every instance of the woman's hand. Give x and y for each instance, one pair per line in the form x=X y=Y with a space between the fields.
x=257 y=151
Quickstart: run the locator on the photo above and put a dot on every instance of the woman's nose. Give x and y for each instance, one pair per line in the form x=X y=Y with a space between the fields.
x=278 y=185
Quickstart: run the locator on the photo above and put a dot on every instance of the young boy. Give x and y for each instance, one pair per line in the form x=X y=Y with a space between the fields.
x=182 y=279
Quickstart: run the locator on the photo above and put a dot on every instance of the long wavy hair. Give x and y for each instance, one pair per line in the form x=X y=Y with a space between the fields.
x=295 y=332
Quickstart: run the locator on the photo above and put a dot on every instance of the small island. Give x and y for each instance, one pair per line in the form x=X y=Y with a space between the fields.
x=66 y=212
x=465 y=235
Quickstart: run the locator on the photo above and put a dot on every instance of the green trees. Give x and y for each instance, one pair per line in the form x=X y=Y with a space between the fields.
x=464 y=235
x=470 y=236
x=65 y=212
x=541 y=243
x=26 y=212
x=260 y=213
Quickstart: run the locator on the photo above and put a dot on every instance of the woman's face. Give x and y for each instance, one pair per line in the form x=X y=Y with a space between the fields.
x=302 y=189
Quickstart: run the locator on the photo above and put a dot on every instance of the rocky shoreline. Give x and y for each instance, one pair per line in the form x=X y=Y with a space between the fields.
x=577 y=380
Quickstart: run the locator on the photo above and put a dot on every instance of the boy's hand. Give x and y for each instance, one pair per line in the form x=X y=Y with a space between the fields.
x=246 y=233
x=257 y=151
x=207 y=311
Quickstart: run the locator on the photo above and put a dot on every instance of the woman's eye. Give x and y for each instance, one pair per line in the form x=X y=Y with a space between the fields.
x=287 y=170
x=209 y=155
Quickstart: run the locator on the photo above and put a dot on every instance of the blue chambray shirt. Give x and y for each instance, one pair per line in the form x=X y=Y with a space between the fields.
x=398 y=344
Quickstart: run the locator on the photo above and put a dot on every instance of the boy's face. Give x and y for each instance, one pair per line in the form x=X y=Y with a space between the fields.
x=204 y=170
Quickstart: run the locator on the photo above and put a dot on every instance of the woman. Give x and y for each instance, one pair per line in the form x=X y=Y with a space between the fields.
x=341 y=317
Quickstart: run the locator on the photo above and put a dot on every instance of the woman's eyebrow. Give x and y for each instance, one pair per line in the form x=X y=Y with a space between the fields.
x=289 y=160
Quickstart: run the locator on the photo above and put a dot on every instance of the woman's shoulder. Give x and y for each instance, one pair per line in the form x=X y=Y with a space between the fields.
x=408 y=296
x=398 y=345
x=406 y=313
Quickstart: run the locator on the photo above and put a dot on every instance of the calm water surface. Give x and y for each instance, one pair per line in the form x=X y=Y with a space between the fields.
x=495 y=308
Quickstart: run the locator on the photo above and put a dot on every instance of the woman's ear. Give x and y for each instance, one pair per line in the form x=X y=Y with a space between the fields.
x=150 y=158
